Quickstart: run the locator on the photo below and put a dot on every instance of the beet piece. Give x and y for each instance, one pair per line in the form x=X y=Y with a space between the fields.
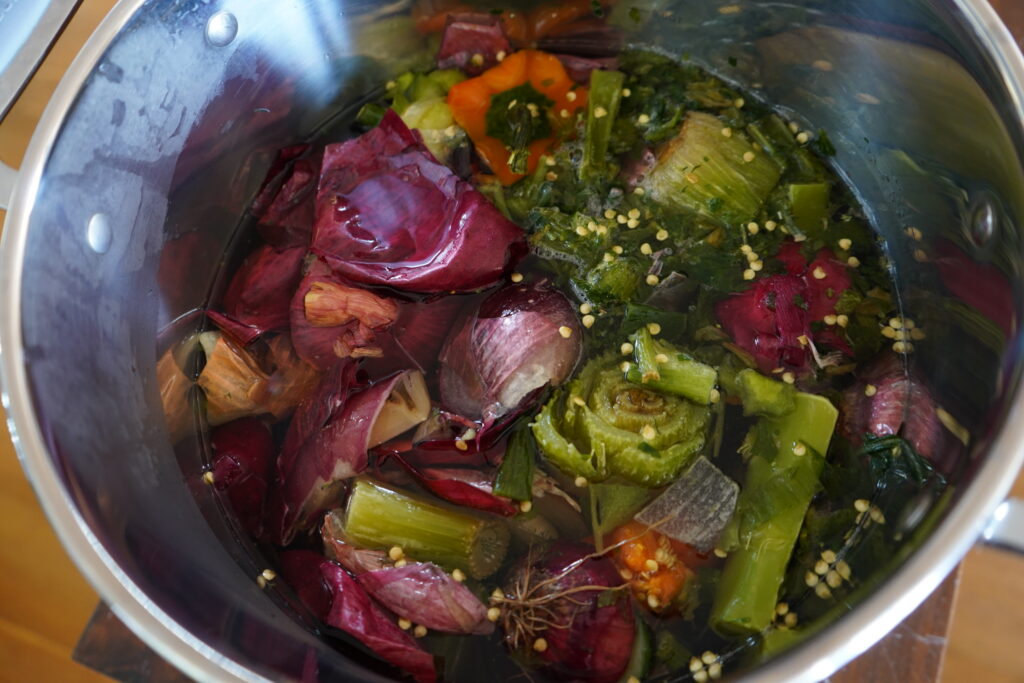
x=471 y=42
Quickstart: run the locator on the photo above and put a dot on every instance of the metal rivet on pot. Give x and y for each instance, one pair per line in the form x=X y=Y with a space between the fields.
x=984 y=221
x=98 y=233
x=221 y=29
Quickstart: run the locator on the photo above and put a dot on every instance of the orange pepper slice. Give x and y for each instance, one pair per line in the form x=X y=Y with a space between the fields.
x=470 y=101
x=653 y=564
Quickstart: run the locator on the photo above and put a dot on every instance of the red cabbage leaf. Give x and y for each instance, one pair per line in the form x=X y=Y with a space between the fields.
x=258 y=299
x=772 y=319
x=389 y=214
x=285 y=204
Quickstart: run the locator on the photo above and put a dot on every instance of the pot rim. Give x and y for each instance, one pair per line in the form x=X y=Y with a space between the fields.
x=815 y=659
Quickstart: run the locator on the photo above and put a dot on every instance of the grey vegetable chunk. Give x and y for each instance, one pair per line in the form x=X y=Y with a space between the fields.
x=696 y=508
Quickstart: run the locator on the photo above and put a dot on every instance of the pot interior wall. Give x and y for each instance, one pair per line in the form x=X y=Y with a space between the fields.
x=172 y=135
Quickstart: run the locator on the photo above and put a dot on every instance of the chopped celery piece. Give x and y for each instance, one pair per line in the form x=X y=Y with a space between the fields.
x=808 y=205
x=611 y=281
x=774 y=137
x=696 y=508
x=662 y=367
x=378 y=516
x=602 y=109
x=515 y=476
x=782 y=477
x=712 y=172
x=764 y=396
x=602 y=424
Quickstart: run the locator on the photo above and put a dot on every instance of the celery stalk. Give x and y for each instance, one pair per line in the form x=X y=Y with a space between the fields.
x=782 y=477
x=602 y=108
x=808 y=205
x=377 y=516
x=662 y=367
x=712 y=170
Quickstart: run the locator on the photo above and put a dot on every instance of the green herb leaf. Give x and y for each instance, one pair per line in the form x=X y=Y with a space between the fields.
x=515 y=476
x=517 y=117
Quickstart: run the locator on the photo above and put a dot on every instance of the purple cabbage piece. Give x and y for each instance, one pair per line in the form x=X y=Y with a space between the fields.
x=285 y=204
x=472 y=42
x=521 y=339
x=425 y=594
x=389 y=214
x=257 y=300
x=354 y=612
x=327 y=458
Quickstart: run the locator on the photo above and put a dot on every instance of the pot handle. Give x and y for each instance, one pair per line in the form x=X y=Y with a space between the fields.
x=1006 y=528
x=28 y=29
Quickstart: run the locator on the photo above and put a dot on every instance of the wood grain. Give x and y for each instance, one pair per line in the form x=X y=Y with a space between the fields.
x=45 y=603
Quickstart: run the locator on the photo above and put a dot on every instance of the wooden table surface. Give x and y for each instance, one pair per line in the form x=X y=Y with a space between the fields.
x=45 y=603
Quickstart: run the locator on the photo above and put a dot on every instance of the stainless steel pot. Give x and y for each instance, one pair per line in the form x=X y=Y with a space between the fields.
x=160 y=132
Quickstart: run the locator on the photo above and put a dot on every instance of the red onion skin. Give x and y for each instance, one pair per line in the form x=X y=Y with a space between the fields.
x=598 y=643
x=353 y=611
x=300 y=569
x=522 y=338
x=901 y=404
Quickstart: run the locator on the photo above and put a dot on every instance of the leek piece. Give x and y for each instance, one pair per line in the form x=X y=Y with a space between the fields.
x=515 y=476
x=782 y=477
x=764 y=396
x=662 y=367
x=380 y=517
x=808 y=206
x=711 y=169
x=602 y=109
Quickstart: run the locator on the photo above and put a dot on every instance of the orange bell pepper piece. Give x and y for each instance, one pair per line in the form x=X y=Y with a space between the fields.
x=654 y=565
x=470 y=101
